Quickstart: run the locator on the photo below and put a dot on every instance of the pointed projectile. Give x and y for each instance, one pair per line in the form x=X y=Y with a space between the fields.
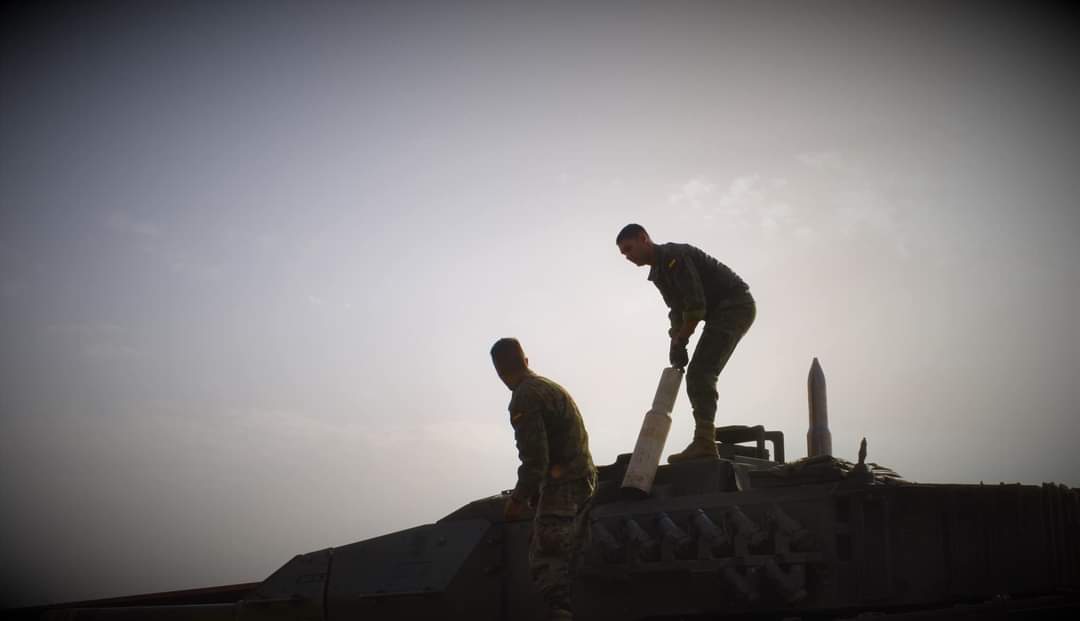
x=818 y=438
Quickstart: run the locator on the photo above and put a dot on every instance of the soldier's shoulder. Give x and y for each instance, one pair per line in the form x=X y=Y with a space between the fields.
x=673 y=254
x=527 y=391
x=552 y=385
x=549 y=390
x=684 y=249
x=531 y=389
x=693 y=253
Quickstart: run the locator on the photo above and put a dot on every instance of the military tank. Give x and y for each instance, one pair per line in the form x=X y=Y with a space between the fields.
x=748 y=536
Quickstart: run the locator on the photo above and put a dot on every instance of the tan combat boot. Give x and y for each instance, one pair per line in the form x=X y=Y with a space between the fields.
x=703 y=445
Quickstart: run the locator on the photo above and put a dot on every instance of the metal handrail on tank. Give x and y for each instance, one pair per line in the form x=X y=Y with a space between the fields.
x=733 y=435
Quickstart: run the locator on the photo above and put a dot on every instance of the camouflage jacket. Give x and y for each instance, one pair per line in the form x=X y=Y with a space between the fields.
x=551 y=439
x=693 y=284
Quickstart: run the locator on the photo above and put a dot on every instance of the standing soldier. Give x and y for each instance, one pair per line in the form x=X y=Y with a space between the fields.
x=696 y=287
x=556 y=477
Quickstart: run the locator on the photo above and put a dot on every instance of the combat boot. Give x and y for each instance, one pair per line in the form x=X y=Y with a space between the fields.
x=703 y=445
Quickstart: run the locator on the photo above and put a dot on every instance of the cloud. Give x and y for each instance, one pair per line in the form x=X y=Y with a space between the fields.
x=827 y=196
x=692 y=192
x=758 y=201
x=740 y=192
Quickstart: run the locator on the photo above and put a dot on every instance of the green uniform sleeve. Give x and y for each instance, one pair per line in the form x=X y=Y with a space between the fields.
x=691 y=291
x=675 y=318
x=532 y=444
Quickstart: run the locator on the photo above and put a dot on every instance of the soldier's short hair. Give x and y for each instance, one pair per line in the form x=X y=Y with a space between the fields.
x=508 y=355
x=630 y=230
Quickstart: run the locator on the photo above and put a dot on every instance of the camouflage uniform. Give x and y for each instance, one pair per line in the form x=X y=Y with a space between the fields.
x=697 y=286
x=557 y=473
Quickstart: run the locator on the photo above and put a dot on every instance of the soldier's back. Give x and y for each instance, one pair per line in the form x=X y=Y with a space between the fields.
x=568 y=441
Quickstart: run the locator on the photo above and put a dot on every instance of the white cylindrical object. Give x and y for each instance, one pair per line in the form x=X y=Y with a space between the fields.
x=667 y=390
x=641 y=471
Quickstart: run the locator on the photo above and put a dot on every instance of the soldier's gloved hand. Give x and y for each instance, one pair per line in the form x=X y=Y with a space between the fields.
x=678 y=355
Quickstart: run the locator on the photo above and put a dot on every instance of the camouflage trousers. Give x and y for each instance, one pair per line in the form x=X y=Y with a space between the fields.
x=560 y=531
x=724 y=328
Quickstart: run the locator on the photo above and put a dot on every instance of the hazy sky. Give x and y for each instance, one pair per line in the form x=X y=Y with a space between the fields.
x=253 y=255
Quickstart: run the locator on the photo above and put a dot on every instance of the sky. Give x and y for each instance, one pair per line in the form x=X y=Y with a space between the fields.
x=253 y=255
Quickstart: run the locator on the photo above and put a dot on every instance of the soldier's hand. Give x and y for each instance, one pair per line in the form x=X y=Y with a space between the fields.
x=678 y=356
x=514 y=509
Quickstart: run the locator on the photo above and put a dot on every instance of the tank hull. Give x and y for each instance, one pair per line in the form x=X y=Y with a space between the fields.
x=717 y=540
